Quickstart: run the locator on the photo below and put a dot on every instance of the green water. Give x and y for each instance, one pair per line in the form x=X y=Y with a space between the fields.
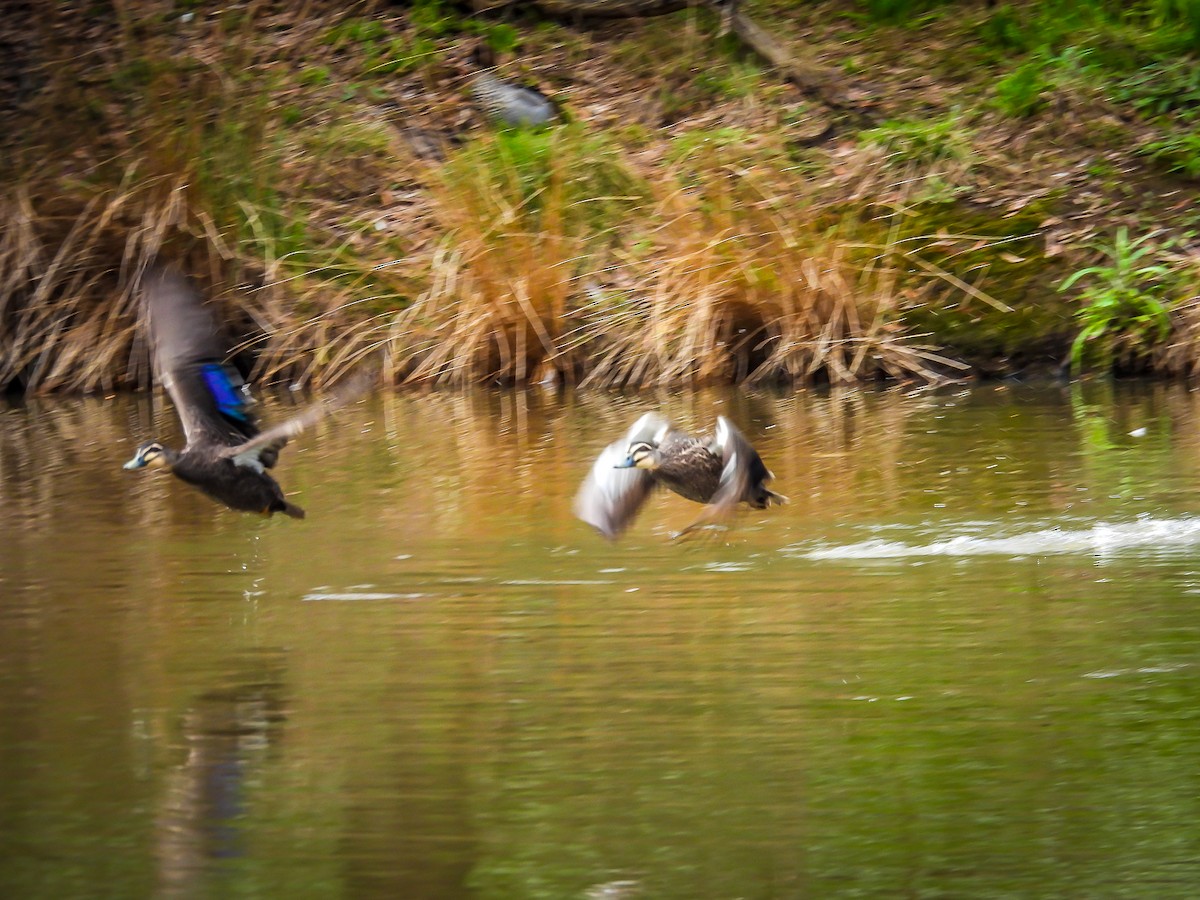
x=963 y=661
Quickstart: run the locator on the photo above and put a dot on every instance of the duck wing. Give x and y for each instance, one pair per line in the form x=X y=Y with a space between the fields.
x=210 y=396
x=610 y=497
x=267 y=443
x=741 y=467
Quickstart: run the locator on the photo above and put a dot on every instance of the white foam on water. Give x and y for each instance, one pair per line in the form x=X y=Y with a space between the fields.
x=1163 y=669
x=1102 y=538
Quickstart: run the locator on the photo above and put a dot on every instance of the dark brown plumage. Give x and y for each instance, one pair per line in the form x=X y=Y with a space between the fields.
x=720 y=471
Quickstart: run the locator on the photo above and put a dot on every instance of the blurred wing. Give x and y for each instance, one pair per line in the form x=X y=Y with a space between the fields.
x=739 y=459
x=263 y=448
x=610 y=498
x=651 y=427
x=210 y=396
x=739 y=462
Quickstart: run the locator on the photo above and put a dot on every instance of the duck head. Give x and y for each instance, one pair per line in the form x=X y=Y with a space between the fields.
x=152 y=455
x=642 y=455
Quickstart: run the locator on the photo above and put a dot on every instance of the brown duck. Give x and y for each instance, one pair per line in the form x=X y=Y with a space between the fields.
x=720 y=470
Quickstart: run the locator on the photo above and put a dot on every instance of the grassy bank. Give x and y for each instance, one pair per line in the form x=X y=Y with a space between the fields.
x=1011 y=186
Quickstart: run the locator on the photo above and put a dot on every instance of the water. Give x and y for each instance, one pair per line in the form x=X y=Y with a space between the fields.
x=961 y=662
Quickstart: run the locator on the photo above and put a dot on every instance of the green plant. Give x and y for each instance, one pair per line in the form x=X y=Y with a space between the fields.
x=1161 y=88
x=1177 y=153
x=520 y=170
x=502 y=38
x=1022 y=93
x=431 y=20
x=1124 y=313
x=922 y=141
x=702 y=140
x=314 y=76
x=354 y=31
x=734 y=80
x=398 y=56
x=1005 y=30
x=1182 y=16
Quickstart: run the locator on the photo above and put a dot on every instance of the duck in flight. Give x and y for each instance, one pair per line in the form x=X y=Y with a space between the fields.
x=225 y=453
x=719 y=470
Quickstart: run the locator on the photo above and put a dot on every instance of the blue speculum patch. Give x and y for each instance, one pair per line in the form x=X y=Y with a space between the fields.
x=230 y=400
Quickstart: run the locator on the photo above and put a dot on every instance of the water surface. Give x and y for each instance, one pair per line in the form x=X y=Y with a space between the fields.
x=962 y=661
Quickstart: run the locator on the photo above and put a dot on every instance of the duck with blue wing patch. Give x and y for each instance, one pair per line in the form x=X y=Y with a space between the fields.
x=226 y=455
x=720 y=471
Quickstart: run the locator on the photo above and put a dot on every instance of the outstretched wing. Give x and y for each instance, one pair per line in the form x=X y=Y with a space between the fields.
x=266 y=445
x=609 y=497
x=741 y=467
x=209 y=394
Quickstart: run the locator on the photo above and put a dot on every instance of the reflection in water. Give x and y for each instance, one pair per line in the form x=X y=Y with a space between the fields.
x=228 y=733
x=962 y=661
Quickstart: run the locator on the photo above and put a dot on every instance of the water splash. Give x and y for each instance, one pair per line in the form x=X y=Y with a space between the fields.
x=1101 y=539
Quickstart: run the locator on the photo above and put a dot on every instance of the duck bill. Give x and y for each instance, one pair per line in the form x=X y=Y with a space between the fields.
x=627 y=464
x=136 y=463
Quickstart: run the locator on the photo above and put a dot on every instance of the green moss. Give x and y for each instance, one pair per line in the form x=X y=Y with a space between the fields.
x=1004 y=259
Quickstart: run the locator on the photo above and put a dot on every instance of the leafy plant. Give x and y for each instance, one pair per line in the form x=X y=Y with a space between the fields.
x=1022 y=93
x=431 y=20
x=1162 y=88
x=1124 y=313
x=1177 y=152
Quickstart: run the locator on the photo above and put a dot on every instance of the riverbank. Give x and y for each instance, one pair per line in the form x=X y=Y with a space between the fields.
x=696 y=219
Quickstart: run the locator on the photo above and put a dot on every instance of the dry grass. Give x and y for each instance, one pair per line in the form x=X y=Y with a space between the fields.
x=67 y=302
x=738 y=276
x=1180 y=355
x=521 y=215
x=726 y=272
x=744 y=287
x=526 y=256
x=499 y=283
x=68 y=299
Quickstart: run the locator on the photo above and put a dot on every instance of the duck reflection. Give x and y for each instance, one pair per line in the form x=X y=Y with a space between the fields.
x=229 y=733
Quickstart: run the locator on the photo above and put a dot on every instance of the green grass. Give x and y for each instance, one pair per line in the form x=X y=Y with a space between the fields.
x=1022 y=92
x=922 y=141
x=1177 y=153
x=1125 y=312
x=579 y=173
